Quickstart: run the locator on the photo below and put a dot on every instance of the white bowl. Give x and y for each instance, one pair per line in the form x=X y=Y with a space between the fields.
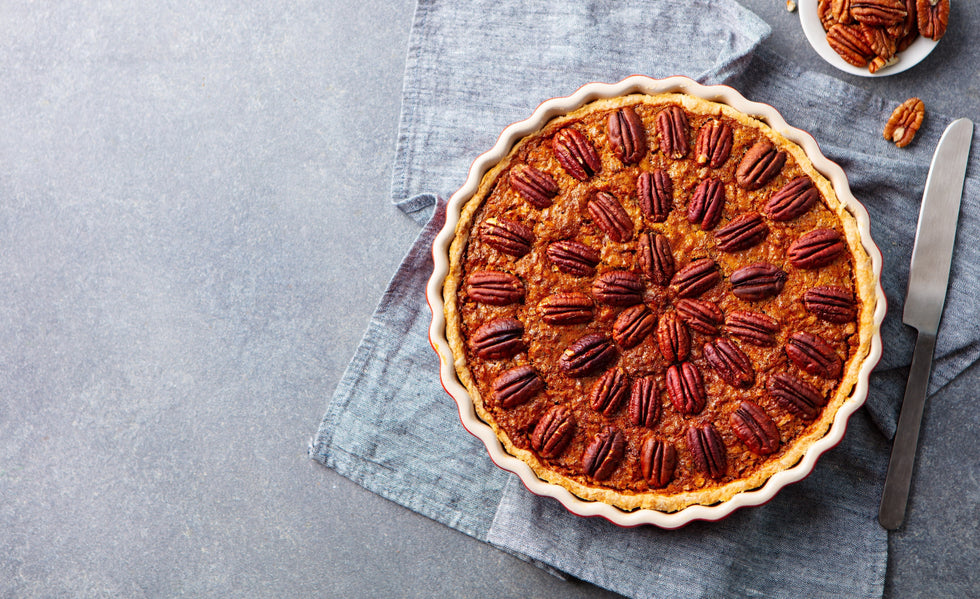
x=437 y=330
x=817 y=37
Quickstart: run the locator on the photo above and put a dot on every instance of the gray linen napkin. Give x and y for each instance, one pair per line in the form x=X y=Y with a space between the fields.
x=390 y=426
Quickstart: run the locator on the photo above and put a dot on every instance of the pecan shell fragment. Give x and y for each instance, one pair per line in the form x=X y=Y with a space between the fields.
x=604 y=453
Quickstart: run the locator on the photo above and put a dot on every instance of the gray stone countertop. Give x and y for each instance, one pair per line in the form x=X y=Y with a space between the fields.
x=194 y=230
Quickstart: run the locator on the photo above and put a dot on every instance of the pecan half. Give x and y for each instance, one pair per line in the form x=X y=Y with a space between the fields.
x=849 y=44
x=701 y=315
x=587 y=355
x=933 y=18
x=755 y=428
x=817 y=248
x=672 y=338
x=752 y=327
x=905 y=121
x=909 y=25
x=796 y=395
x=627 y=135
x=516 y=386
x=793 y=200
x=831 y=303
x=880 y=41
x=604 y=453
x=576 y=154
x=537 y=187
x=657 y=462
x=714 y=144
x=759 y=165
x=825 y=14
x=757 y=281
x=741 y=233
x=673 y=130
x=498 y=339
x=878 y=13
x=494 y=287
x=730 y=363
x=618 y=288
x=507 y=236
x=573 y=257
x=610 y=216
x=707 y=203
x=644 y=407
x=814 y=355
x=696 y=278
x=841 y=11
x=686 y=388
x=567 y=308
x=552 y=434
x=655 y=258
x=633 y=325
x=609 y=392
x=655 y=193
x=707 y=450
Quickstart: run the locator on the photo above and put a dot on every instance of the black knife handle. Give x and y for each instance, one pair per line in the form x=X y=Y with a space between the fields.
x=899 y=478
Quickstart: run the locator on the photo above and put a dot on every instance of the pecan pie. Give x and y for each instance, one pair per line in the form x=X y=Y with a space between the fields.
x=656 y=301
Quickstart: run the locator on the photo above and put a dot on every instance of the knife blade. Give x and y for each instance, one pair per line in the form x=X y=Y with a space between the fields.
x=932 y=253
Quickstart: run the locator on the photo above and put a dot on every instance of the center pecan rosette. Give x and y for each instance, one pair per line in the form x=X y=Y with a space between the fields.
x=655 y=302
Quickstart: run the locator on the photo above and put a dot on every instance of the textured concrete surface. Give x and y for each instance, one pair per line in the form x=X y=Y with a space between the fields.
x=194 y=229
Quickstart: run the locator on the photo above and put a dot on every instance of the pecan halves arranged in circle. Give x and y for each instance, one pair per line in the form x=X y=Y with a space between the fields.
x=573 y=257
x=904 y=122
x=706 y=204
x=644 y=406
x=796 y=395
x=755 y=428
x=814 y=355
x=793 y=200
x=831 y=303
x=708 y=450
x=655 y=194
x=604 y=453
x=686 y=388
x=701 y=315
x=757 y=281
x=673 y=129
x=535 y=186
x=494 y=288
x=933 y=18
x=567 y=308
x=714 y=144
x=657 y=462
x=633 y=325
x=609 y=392
x=752 y=327
x=553 y=433
x=587 y=355
x=576 y=154
x=498 y=339
x=673 y=338
x=730 y=363
x=759 y=165
x=610 y=216
x=817 y=248
x=627 y=135
x=516 y=386
x=742 y=232
x=696 y=278
x=618 y=288
x=655 y=258
x=507 y=236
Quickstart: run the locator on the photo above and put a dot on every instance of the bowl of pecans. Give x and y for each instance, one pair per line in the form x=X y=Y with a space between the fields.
x=874 y=38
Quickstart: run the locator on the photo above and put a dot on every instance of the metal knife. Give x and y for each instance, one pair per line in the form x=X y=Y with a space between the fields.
x=928 y=279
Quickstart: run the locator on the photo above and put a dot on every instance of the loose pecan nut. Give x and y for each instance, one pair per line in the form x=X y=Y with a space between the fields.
x=841 y=11
x=587 y=355
x=796 y=395
x=610 y=216
x=759 y=165
x=757 y=281
x=604 y=453
x=516 y=386
x=553 y=432
x=714 y=144
x=537 y=187
x=878 y=13
x=655 y=258
x=831 y=303
x=567 y=308
x=644 y=407
x=657 y=462
x=793 y=200
x=701 y=315
x=696 y=278
x=573 y=257
x=655 y=193
x=707 y=203
x=752 y=327
x=741 y=233
x=633 y=325
x=933 y=18
x=576 y=154
x=498 y=339
x=609 y=392
x=627 y=135
x=880 y=41
x=825 y=14
x=673 y=338
x=618 y=288
x=708 y=450
x=849 y=44
x=507 y=236
x=817 y=248
x=673 y=130
x=494 y=287
x=686 y=388
x=905 y=121
x=814 y=355
x=730 y=363
x=755 y=428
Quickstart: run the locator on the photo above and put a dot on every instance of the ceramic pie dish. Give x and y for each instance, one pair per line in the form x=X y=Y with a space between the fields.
x=655 y=301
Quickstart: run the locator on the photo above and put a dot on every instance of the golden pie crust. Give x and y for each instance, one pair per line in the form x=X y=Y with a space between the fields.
x=542 y=345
